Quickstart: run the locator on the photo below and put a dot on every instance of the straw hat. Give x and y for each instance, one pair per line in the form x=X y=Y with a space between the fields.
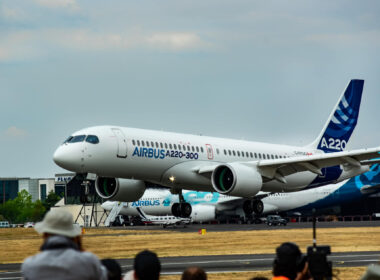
x=59 y=222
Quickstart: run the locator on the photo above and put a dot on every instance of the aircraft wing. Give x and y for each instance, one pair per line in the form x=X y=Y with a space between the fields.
x=278 y=168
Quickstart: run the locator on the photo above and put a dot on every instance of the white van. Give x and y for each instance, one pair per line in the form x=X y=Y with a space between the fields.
x=4 y=224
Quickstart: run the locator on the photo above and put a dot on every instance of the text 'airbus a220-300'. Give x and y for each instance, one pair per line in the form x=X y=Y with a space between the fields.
x=124 y=160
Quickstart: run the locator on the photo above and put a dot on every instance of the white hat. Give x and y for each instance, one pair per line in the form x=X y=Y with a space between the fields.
x=60 y=222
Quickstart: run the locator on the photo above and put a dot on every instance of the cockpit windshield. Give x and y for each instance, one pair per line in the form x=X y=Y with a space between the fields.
x=93 y=139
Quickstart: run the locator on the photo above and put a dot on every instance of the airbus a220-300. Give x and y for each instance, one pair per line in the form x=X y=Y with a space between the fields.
x=124 y=160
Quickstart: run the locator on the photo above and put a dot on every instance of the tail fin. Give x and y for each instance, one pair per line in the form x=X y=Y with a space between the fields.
x=342 y=121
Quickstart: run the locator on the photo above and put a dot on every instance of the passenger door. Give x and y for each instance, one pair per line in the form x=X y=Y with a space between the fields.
x=121 y=143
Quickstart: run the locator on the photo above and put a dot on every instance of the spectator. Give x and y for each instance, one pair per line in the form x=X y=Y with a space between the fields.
x=113 y=269
x=289 y=263
x=146 y=267
x=194 y=273
x=62 y=255
x=372 y=273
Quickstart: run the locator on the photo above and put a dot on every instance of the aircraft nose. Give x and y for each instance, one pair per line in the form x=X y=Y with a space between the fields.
x=69 y=157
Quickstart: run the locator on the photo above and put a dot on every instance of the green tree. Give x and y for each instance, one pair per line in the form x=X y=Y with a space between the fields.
x=51 y=199
x=22 y=209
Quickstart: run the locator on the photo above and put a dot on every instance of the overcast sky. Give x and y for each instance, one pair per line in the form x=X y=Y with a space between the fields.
x=257 y=70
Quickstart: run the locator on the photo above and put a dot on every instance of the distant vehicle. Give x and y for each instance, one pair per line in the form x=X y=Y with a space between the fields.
x=29 y=225
x=276 y=220
x=4 y=224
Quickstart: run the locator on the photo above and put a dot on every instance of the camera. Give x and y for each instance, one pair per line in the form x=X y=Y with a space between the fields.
x=319 y=267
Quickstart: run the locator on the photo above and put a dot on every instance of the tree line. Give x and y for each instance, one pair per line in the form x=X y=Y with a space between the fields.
x=22 y=209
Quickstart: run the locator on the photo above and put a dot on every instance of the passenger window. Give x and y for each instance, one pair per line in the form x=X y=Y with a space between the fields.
x=93 y=139
x=268 y=157
x=225 y=152
x=246 y=154
x=192 y=148
x=242 y=154
x=147 y=143
x=272 y=156
x=179 y=147
x=156 y=144
x=233 y=152
x=138 y=142
x=170 y=146
x=229 y=152
x=175 y=146
x=133 y=142
x=184 y=147
x=152 y=144
x=142 y=143
x=217 y=151
x=161 y=145
x=255 y=155
x=197 y=149
x=166 y=145
x=78 y=138
x=202 y=149
x=238 y=153
x=188 y=148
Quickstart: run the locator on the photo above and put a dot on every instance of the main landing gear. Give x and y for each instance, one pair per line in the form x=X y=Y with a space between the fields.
x=182 y=209
x=253 y=206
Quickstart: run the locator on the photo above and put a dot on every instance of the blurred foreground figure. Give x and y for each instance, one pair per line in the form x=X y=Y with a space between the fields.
x=62 y=255
x=146 y=266
x=113 y=269
x=194 y=273
x=289 y=263
x=372 y=272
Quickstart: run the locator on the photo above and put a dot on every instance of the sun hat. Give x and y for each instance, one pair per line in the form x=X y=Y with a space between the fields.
x=59 y=222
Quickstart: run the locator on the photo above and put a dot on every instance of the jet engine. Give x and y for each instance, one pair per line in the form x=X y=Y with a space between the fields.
x=236 y=179
x=125 y=190
x=203 y=213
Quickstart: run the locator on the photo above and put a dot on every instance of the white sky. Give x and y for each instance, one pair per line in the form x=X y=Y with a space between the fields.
x=257 y=70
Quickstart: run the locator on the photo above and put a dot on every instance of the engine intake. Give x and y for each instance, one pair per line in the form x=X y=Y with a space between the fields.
x=236 y=179
x=125 y=190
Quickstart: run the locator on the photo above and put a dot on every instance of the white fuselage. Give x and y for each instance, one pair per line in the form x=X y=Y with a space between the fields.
x=155 y=155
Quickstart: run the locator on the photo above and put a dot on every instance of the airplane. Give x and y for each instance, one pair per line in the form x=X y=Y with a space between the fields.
x=162 y=220
x=124 y=161
x=206 y=205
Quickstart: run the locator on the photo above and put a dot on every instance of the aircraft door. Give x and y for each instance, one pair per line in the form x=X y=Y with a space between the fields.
x=121 y=143
x=210 y=153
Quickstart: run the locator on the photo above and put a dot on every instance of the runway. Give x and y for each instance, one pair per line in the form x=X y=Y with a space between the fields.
x=221 y=263
x=235 y=227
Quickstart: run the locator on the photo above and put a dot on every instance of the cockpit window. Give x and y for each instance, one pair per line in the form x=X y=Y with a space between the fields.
x=68 y=140
x=77 y=138
x=93 y=139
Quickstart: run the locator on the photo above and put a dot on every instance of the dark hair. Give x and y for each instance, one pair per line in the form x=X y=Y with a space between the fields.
x=113 y=269
x=194 y=273
x=147 y=266
x=289 y=261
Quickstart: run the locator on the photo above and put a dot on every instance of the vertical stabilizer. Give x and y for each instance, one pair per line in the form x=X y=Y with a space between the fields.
x=342 y=121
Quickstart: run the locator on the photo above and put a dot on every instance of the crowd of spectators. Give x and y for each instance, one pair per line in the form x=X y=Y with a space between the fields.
x=62 y=257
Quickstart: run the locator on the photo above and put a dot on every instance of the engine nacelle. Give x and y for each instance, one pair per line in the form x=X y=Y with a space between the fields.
x=203 y=213
x=236 y=179
x=125 y=190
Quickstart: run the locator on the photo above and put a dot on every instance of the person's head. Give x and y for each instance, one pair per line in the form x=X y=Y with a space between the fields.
x=194 y=273
x=113 y=269
x=289 y=261
x=59 y=222
x=147 y=266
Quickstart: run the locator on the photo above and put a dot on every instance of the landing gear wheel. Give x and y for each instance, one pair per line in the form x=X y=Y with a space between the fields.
x=185 y=210
x=176 y=210
x=248 y=207
x=258 y=207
